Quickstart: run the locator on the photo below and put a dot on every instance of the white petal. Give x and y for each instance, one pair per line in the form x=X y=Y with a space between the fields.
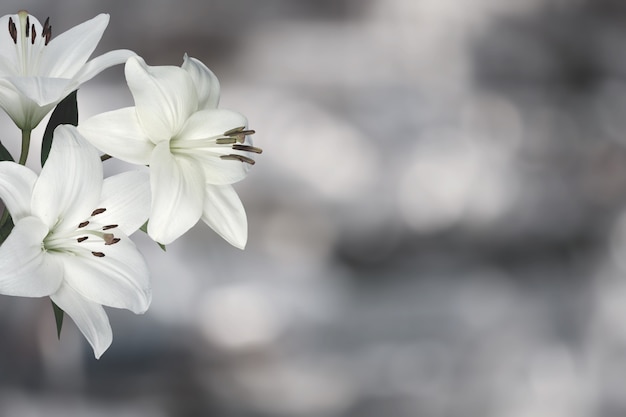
x=165 y=97
x=207 y=84
x=225 y=214
x=9 y=57
x=90 y=318
x=42 y=90
x=16 y=188
x=102 y=62
x=212 y=123
x=23 y=111
x=70 y=182
x=119 y=279
x=65 y=55
x=119 y=134
x=27 y=271
x=126 y=198
x=177 y=186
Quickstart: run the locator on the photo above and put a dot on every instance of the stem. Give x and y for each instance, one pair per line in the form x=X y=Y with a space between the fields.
x=25 y=146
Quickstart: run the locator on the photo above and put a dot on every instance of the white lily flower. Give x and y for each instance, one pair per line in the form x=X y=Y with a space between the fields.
x=194 y=150
x=37 y=71
x=70 y=239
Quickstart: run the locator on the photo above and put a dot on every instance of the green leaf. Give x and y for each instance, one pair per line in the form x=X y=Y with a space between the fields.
x=4 y=154
x=66 y=113
x=6 y=226
x=144 y=229
x=58 y=317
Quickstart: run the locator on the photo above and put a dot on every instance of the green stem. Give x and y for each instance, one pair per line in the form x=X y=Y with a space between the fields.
x=25 y=146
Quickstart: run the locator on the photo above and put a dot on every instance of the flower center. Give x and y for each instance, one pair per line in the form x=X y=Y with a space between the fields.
x=28 y=42
x=233 y=139
x=83 y=239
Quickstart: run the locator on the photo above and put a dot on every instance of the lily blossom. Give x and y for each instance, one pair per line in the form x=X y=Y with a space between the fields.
x=70 y=240
x=194 y=150
x=37 y=71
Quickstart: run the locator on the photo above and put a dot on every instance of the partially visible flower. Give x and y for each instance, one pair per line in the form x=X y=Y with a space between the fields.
x=37 y=71
x=195 y=150
x=70 y=239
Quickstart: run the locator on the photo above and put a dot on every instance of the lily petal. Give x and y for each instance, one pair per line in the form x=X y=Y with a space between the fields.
x=126 y=198
x=24 y=112
x=119 y=279
x=70 y=182
x=102 y=62
x=16 y=188
x=65 y=55
x=177 y=185
x=224 y=213
x=207 y=84
x=43 y=90
x=27 y=271
x=164 y=96
x=90 y=318
x=118 y=133
x=10 y=64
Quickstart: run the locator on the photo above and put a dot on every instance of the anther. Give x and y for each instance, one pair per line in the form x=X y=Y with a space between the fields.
x=33 y=35
x=235 y=157
x=83 y=224
x=113 y=241
x=47 y=30
x=82 y=239
x=225 y=141
x=247 y=148
x=98 y=254
x=12 y=30
x=239 y=133
x=27 y=25
x=98 y=211
x=110 y=226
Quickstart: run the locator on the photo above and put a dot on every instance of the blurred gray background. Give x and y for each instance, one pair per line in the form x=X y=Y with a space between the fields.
x=437 y=224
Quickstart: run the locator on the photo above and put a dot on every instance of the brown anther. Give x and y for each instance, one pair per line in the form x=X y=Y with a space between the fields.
x=98 y=211
x=233 y=131
x=110 y=226
x=12 y=30
x=83 y=224
x=235 y=157
x=47 y=30
x=27 y=25
x=82 y=239
x=225 y=141
x=33 y=33
x=239 y=133
x=113 y=241
x=98 y=254
x=247 y=148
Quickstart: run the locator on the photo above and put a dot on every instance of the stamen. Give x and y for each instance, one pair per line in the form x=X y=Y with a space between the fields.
x=111 y=226
x=82 y=239
x=247 y=148
x=113 y=241
x=98 y=211
x=47 y=31
x=239 y=133
x=225 y=141
x=12 y=30
x=27 y=25
x=83 y=224
x=235 y=157
x=33 y=35
x=98 y=254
